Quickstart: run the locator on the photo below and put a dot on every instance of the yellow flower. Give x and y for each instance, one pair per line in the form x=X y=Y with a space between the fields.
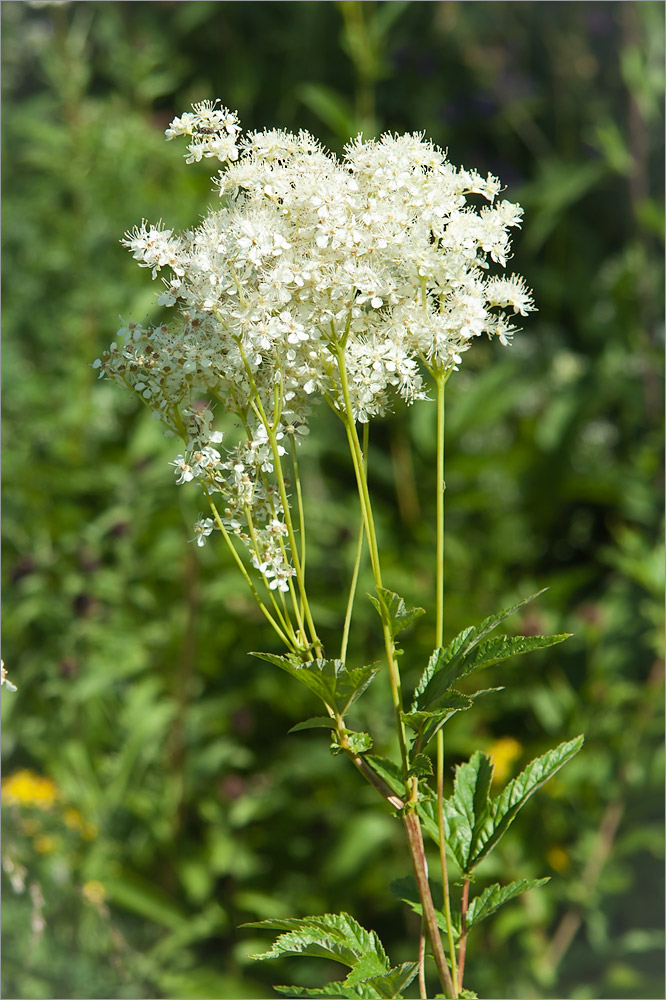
x=25 y=788
x=503 y=753
x=45 y=844
x=75 y=821
x=94 y=892
x=558 y=858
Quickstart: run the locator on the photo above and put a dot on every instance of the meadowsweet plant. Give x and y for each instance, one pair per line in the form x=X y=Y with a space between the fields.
x=346 y=283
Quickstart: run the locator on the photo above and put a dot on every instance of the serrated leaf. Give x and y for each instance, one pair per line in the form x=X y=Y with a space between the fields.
x=316 y=722
x=387 y=984
x=366 y=967
x=356 y=742
x=420 y=766
x=336 y=936
x=474 y=822
x=359 y=742
x=466 y=812
x=513 y=797
x=497 y=895
x=333 y=681
x=393 y=610
x=390 y=772
x=454 y=701
x=426 y=723
x=445 y=664
x=337 y=989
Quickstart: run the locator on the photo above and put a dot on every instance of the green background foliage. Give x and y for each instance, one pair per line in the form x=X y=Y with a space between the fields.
x=183 y=808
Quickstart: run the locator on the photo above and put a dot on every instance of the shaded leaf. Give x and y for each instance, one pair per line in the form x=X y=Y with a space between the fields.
x=406 y=890
x=317 y=722
x=390 y=772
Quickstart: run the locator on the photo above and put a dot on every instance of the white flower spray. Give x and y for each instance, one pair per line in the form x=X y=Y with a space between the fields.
x=353 y=282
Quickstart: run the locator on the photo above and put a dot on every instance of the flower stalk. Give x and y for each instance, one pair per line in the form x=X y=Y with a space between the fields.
x=342 y=280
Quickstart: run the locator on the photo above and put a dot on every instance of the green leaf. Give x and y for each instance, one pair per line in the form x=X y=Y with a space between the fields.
x=387 y=985
x=390 y=772
x=514 y=796
x=393 y=610
x=420 y=766
x=356 y=742
x=332 y=935
x=380 y=986
x=426 y=723
x=496 y=895
x=448 y=664
x=474 y=822
x=359 y=742
x=453 y=701
x=337 y=989
x=337 y=685
x=317 y=722
x=466 y=813
x=366 y=967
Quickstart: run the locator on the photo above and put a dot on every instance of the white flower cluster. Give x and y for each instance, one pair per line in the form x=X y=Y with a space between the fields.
x=316 y=278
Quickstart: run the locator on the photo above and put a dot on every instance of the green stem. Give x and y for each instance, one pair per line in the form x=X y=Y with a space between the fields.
x=371 y=535
x=440 y=486
x=239 y=562
x=270 y=428
x=283 y=613
x=299 y=501
x=463 y=931
x=357 y=561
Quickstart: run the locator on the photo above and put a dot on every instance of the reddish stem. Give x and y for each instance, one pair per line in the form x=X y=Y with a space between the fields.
x=462 y=947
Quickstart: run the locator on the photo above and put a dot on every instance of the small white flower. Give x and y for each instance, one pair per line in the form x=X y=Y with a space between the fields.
x=202 y=529
x=183 y=470
x=4 y=679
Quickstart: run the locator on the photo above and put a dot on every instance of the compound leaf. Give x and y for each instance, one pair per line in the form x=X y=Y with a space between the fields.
x=446 y=664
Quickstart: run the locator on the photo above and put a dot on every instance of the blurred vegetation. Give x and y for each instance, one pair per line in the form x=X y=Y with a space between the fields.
x=152 y=799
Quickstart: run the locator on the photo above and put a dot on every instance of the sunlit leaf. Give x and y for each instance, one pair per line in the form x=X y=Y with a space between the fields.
x=495 y=896
x=393 y=610
x=448 y=664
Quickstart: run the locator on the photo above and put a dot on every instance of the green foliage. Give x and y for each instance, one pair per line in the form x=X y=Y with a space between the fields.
x=128 y=645
x=337 y=685
x=495 y=896
x=463 y=655
x=342 y=939
x=487 y=902
x=393 y=611
x=475 y=821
